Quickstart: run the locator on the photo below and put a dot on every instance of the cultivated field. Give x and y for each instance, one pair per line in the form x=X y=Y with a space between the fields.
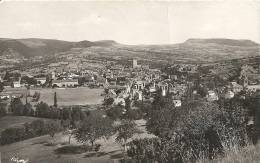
x=71 y=96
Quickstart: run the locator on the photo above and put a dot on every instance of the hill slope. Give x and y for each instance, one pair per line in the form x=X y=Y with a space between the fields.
x=44 y=47
x=192 y=50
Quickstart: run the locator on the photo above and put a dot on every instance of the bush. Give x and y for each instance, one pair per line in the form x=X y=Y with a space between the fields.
x=115 y=113
x=143 y=149
x=29 y=130
x=11 y=135
x=134 y=114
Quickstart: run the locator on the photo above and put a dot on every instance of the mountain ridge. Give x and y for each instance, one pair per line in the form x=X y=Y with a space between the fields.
x=193 y=49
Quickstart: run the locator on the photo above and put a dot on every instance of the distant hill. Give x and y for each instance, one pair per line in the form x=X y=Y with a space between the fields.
x=102 y=43
x=228 y=42
x=33 y=47
x=43 y=47
x=192 y=50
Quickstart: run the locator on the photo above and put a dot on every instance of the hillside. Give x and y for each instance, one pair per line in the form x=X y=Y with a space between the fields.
x=43 y=47
x=192 y=50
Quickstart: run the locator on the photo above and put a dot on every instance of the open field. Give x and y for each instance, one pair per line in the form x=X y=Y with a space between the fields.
x=15 y=121
x=65 y=96
x=37 y=150
x=71 y=96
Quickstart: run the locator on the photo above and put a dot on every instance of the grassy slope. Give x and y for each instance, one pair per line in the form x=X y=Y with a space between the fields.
x=37 y=151
x=248 y=154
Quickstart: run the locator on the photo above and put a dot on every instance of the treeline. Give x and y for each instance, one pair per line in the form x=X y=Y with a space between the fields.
x=43 y=110
x=59 y=119
x=29 y=130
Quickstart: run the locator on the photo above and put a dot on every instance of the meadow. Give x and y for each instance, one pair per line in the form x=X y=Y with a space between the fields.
x=70 y=96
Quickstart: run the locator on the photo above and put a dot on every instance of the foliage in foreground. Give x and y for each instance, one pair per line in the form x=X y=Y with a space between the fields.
x=197 y=130
x=250 y=153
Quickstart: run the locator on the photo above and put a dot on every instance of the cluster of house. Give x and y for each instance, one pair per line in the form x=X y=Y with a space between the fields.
x=137 y=81
x=141 y=84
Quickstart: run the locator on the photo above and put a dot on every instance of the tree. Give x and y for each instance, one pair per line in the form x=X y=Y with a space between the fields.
x=17 y=106
x=53 y=127
x=108 y=101
x=77 y=115
x=28 y=80
x=66 y=114
x=42 y=110
x=67 y=128
x=125 y=130
x=115 y=112
x=55 y=112
x=38 y=127
x=95 y=126
x=1 y=86
x=2 y=110
x=28 y=110
x=55 y=100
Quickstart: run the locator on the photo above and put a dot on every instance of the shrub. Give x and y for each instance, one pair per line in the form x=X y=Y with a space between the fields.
x=11 y=135
x=134 y=114
x=29 y=130
x=115 y=112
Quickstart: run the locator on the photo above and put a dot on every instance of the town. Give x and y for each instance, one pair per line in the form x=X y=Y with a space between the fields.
x=118 y=82
x=129 y=82
x=119 y=90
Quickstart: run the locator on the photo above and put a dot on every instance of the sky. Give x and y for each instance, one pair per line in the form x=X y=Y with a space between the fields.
x=131 y=22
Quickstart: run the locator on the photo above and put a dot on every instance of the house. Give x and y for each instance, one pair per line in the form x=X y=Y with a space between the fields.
x=112 y=81
x=152 y=88
x=177 y=103
x=139 y=85
x=119 y=101
x=229 y=94
x=121 y=81
x=4 y=96
x=135 y=64
x=17 y=84
x=236 y=88
x=212 y=96
x=138 y=95
x=65 y=83
x=163 y=86
x=40 y=81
